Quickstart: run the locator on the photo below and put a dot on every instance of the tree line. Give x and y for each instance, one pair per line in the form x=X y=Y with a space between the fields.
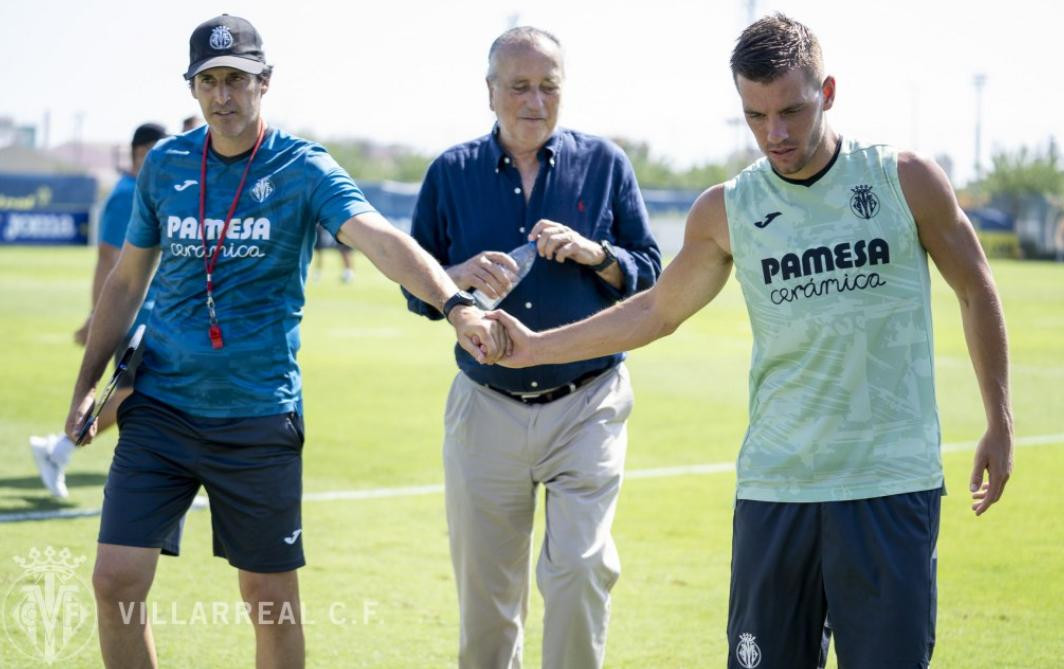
x=1014 y=175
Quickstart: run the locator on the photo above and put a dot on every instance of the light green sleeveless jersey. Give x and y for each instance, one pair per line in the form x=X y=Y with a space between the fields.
x=842 y=391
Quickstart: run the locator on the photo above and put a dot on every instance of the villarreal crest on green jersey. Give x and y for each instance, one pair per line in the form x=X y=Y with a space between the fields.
x=842 y=392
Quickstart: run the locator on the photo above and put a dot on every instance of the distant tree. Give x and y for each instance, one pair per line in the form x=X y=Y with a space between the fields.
x=367 y=161
x=654 y=172
x=650 y=171
x=1018 y=175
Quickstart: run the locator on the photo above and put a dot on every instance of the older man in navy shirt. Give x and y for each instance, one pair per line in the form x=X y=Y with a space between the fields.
x=508 y=430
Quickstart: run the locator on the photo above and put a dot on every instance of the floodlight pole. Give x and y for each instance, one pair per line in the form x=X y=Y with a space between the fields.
x=751 y=11
x=979 y=81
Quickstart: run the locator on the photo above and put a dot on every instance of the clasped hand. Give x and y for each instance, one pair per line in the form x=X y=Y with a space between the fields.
x=484 y=339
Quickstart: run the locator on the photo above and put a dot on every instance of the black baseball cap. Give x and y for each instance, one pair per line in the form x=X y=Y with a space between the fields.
x=225 y=41
x=148 y=133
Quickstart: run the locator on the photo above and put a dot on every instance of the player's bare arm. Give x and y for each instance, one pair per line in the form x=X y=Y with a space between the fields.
x=106 y=258
x=400 y=258
x=949 y=238
x=120 y=298
x=691 y=280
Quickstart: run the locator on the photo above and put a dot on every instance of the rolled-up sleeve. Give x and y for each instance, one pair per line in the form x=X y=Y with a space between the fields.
x=637 y=252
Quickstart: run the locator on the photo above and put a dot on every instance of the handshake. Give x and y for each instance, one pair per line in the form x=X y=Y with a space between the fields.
x=493 y=337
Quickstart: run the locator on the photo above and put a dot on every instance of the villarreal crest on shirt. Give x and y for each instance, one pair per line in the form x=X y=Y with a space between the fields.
x=842 y=393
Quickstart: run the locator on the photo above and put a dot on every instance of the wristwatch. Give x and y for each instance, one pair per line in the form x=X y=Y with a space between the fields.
x=610 y=258
x=461 y=298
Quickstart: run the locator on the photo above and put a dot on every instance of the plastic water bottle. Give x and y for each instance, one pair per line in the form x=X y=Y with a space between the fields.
x=524 y=256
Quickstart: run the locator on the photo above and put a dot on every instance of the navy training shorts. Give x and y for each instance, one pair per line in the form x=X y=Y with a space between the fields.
x=869 y=565
x=251 y=469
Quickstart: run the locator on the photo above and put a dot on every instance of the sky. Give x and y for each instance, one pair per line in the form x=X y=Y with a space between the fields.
x=412 y=71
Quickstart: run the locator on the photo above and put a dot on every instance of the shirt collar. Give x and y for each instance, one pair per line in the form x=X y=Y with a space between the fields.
x=548 y=151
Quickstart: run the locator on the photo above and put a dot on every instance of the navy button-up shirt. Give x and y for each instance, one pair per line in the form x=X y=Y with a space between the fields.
x=472 y=200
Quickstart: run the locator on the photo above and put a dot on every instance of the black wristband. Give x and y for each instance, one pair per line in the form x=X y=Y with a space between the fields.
x=460 y=298
x=608 y=260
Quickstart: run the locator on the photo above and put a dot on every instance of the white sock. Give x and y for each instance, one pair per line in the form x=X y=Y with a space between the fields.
x=61 y=450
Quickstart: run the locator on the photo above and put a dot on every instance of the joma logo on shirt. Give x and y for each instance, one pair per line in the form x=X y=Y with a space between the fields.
x=845 y=255
x=247 y=228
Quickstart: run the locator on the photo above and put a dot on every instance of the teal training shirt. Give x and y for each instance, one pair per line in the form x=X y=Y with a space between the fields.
x=842 y=393
x=293 y=185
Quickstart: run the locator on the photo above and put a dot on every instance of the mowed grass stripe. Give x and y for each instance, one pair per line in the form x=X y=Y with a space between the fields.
x=437 y=488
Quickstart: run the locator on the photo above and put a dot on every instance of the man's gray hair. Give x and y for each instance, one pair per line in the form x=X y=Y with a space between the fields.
x=519 y=36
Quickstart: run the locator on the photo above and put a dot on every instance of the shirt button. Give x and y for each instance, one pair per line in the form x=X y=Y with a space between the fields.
x=506 y=160
x=521 y=229
x=535 y=384
x=517 y=190
x=496 y=170
x=552 y=162
x=528 y=305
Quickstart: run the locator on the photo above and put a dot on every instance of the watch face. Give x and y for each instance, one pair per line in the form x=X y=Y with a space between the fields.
x=463 y=298
x=460 y=298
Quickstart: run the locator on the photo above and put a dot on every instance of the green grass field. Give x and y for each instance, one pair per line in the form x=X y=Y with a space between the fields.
x=376 y=378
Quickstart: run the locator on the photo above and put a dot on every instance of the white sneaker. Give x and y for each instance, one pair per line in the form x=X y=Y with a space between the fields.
x=347 y=276
x=52 y=475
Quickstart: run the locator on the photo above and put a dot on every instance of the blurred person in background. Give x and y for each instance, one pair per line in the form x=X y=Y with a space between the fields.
x=52 y=453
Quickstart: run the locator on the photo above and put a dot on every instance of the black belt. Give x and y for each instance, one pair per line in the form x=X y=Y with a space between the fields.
x=547 y=396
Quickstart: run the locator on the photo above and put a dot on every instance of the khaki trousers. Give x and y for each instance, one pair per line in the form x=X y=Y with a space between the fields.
x=496 y=452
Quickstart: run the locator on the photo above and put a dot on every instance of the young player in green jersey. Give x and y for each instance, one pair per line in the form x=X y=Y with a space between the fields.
x=839 y=475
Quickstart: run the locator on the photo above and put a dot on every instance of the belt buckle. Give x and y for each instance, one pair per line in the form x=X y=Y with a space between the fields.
x=550 y=395
x=530 y=398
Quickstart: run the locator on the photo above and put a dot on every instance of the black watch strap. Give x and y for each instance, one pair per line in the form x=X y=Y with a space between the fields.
x=460 y=298
x=610 y=258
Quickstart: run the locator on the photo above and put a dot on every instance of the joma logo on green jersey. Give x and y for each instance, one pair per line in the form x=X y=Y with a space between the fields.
x=845 y=255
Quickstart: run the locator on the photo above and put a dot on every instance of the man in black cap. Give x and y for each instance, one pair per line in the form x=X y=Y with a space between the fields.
x=230 y=212
x=51 y=453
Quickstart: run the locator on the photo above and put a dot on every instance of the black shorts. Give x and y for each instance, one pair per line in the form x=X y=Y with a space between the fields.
x=251 y=468
x=868 y=564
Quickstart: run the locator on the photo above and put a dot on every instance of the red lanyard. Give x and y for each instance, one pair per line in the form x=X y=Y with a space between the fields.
x=209 y=259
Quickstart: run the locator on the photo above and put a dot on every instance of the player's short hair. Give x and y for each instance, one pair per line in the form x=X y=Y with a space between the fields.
x=775 y=45
x=147 y=134
x=519 y=36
